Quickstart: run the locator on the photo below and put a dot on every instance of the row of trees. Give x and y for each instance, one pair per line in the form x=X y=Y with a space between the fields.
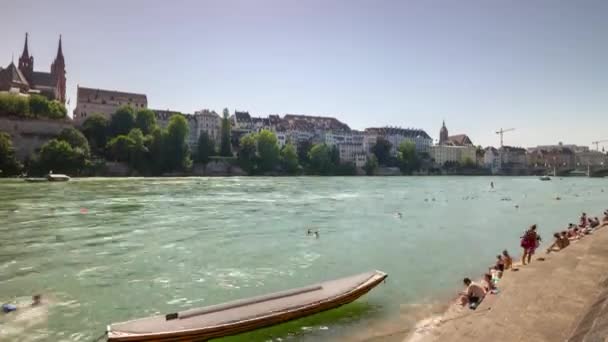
x=407 y=159
x=135 y=138
x=34 y=106
x=259 y=153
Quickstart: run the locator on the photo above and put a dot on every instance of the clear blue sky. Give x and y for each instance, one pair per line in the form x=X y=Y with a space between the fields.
x=539 y=66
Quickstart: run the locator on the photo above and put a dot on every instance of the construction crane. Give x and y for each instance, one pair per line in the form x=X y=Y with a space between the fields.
x=597 y=143
x=502 y=131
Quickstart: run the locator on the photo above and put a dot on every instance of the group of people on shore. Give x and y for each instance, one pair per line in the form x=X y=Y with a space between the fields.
x=530 y=241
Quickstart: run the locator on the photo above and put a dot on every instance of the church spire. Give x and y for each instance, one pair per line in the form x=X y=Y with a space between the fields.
x=26 y=62
x=26 y=53
x=59 y=50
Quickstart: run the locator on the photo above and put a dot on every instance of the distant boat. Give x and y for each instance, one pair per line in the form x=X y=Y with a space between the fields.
x=55 y=177
x=545 y=178
x=36 y=180
x=247 y=314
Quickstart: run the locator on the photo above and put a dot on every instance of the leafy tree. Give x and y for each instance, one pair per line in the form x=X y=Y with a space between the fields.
x=145 y=120
x=289 y=159
x=382 y=151
x=122 y=121
x=120 y=147
x=320 y=159
x=247 y=153
x=59 y=157
x=155 y=144
x=335 y=155
x=304 y=147
x=95 y=128
x=225 y=148
x=408 y=160
x=268 y=150
x=371 y=165
x=14 y=105
x=205 y=149
x=75 y=138
x=178 y=154
x=9 y=166
x=39 y=105
x=138 y=151
x=469 y=163
x=57 y=110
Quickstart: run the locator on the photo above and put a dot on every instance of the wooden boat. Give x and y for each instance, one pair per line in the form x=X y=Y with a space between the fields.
x=55 y=177
x=247 y=314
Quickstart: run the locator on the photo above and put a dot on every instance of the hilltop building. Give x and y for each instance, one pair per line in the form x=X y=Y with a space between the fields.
x=105 y=102
x=454 y=140
x=24 y=80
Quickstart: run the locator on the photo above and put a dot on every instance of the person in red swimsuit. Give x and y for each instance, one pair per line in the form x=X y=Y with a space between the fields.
x=529 y=242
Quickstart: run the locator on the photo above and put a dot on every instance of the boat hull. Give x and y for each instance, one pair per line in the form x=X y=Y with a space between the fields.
x=207 y=333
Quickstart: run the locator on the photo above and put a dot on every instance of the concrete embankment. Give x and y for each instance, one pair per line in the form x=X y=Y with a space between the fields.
x=564 y=297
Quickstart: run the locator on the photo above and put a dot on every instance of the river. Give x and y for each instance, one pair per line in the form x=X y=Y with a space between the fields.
x=108 y=250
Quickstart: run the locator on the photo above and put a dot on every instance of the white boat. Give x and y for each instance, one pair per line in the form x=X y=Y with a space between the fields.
x=55 y=177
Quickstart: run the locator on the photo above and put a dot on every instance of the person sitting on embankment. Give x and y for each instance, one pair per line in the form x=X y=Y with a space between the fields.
x=507 y=260
x=473 y=295
x=558 y=244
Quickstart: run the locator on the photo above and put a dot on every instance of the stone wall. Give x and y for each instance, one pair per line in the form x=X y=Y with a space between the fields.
x=29 y=135
x=217 y=168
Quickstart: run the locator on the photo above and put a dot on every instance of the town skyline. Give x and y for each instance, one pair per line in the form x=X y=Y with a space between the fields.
x=474 y=98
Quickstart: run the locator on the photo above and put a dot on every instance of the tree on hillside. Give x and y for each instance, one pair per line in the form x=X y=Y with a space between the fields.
x=14 y=105
x=382 y=151
x=58 y=156
x=247 y=153
x=303 y=147
x=9 y=166
x=39 y=105
x=145 y=120
x=178 y=153
x=371 y=165
x=205 y=148
x=335 y=155
x=408 y=160
x=320 y=159
x=122 y=121
x=225 y=148
x=268 y=150
x=95 y=128
x=289 y=159
x=155 y=144
x=57 y=110
x=75 y=138
x=119 y=148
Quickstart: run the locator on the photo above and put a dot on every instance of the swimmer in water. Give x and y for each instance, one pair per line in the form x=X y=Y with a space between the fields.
x=492 y=185
x=317 y=234
x=309 y=232
x=36 y=300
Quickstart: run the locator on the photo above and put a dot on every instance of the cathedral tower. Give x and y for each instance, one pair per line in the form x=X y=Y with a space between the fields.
x=58 y=74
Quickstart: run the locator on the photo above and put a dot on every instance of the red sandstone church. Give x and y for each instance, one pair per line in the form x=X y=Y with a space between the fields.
x=25 y=80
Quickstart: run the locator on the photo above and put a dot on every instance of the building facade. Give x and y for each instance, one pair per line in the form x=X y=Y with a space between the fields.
x=24 y=80
x=396 y=136
x=442 y=154
x=210 y=122
x=105 y=102
x=491 y=159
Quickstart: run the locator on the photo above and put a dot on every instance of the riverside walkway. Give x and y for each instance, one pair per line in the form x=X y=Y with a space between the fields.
x=563 y=298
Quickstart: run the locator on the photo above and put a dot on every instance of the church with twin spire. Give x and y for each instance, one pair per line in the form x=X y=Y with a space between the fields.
x=23 y=79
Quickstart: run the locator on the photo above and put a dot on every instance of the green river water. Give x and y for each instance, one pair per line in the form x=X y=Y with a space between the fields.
x=109 y=250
